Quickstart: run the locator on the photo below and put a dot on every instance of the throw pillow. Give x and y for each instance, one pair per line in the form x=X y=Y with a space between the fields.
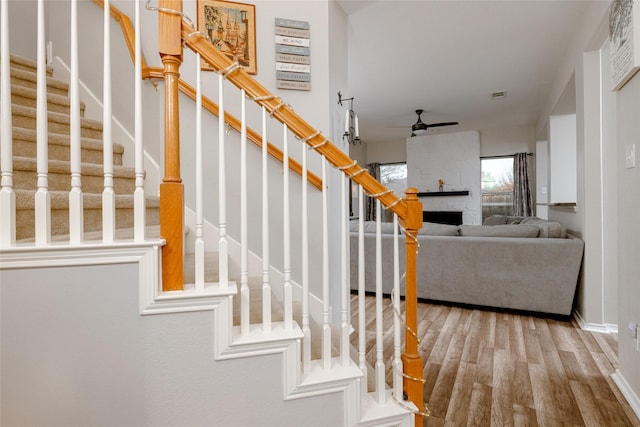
x=495 y=220
x=507 y=230
x=514 y=219
x=552 y=230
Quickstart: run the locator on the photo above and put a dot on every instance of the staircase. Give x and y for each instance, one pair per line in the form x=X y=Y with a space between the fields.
x=23 y=97
x=208 y=351
x=230 y=342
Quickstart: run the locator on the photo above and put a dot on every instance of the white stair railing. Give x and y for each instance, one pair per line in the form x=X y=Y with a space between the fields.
x=306 y=330
x=43 y=223
x=7 y=194
x=199 y=163
x=286 y=234
x=266 y=266
x=108 y=193
x=76 y=202
x=397 y=327
x=326 y=320
x=42 y=197
x=362 y=318
x=345 y=325
x=139 y=221
x=245 y=297
x=223 y=244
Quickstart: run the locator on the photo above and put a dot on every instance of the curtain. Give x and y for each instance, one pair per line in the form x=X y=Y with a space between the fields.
x=370 y=214
x=522 y=197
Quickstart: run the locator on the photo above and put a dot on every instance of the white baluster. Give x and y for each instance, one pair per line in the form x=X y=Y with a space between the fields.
x=380 y=384
x=266 y=279
x=397 y=337
x=108 y=194
x=326 y=320
x=223 y=245
x=199 y=243
x=7 y=195
x=76 y=215
x=306 y=330
x=286 y=225
x=139 y=203
x=42 y=197
x=345 y=327
x=245 y=300
x=362 y=315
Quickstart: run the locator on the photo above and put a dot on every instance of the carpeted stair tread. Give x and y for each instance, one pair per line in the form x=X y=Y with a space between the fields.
x=57 y=122
x=25 y=176
x=60 y=200
x=27 y=78
x=24 y=144
x=27 y=96
x=22 y=63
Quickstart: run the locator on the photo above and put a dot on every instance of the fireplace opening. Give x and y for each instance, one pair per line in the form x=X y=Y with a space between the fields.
x=443 y=217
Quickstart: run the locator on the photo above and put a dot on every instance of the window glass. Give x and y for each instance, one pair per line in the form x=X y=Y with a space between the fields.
x=497 y=186
x=394 y=177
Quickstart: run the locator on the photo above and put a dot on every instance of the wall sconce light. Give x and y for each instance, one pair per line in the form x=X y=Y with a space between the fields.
x=351 y=131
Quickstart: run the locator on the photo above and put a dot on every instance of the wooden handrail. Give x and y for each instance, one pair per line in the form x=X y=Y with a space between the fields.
x=149 y=73
x=285 y=114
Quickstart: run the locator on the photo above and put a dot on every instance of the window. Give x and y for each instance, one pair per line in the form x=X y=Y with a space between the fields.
x=394 y=177
x=497 y=186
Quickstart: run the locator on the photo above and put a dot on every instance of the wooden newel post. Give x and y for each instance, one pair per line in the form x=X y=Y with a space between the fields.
x=411 y=362
x=171 y=188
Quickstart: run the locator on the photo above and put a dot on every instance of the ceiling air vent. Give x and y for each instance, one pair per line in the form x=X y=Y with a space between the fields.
x=499 y=94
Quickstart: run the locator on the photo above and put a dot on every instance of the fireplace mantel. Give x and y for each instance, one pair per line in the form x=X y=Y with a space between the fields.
x=444 y=193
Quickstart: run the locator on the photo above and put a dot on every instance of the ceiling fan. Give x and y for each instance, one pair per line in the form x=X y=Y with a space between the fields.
x=420 y=128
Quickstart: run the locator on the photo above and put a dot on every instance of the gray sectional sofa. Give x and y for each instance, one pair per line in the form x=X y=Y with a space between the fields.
x=509 y=262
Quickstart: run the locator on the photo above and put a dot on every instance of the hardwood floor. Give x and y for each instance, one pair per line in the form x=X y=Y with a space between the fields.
x=488 y=368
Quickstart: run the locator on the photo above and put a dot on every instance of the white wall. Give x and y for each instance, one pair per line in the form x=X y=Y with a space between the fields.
x=454 y=158
x=507 y=141
x=627 y=199
x=628 y=130
x=542 y=179
x=562 y=158
x=22 y=16
x=74 y=346
x=387 y=152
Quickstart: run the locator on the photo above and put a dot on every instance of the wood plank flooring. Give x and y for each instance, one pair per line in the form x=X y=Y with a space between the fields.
x=488 y=368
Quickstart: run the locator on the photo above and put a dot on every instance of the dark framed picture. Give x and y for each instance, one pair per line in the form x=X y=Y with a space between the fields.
x=231 y=27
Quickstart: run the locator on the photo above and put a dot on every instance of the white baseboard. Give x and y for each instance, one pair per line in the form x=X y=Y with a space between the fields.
x=602 y=328
x=627 y=391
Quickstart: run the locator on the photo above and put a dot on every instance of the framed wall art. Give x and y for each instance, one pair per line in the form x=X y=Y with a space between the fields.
x=231 y=27
x=624 y=41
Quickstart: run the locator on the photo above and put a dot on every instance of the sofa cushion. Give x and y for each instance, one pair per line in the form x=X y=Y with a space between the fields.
x=506 y=230
x=548 y=229
x=434 y=229
x=495 y=220
x=514 y=219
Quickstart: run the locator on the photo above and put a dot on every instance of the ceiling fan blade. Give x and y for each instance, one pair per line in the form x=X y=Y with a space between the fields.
x=433 y=125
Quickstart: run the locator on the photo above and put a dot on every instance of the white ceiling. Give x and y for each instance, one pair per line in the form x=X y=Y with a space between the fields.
x=446 y=57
